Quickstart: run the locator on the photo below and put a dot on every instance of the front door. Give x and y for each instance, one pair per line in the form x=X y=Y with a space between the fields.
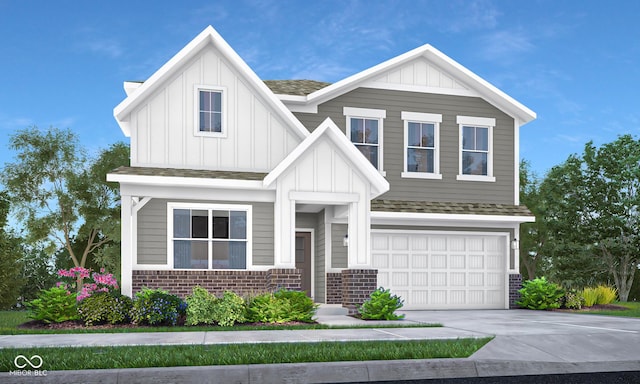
x=303 y=259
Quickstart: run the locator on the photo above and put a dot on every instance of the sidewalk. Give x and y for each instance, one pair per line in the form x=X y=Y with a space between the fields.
x=526 y=343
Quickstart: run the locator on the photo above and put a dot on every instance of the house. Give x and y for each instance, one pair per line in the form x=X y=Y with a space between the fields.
x=404 y=175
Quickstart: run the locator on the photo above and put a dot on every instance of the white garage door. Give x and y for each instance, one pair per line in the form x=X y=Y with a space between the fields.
x=433 y=270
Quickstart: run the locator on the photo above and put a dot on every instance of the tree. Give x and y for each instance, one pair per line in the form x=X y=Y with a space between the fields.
x=10 y=281
x=60 y=193
x=533 y=236
x=591 y=208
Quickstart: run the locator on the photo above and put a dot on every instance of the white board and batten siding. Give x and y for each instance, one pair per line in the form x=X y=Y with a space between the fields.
x=164 y=126
x=442 y=270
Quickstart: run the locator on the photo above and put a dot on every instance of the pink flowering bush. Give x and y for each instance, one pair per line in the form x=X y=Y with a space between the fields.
x=101 y=282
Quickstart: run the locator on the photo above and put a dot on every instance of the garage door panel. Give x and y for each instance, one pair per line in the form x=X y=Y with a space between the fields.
x=440 y=271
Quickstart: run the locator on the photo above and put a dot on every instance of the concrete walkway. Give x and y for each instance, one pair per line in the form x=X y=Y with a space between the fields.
x=526 y=342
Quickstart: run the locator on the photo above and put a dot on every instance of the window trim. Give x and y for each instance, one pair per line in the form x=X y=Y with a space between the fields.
x=482 y=122
x=369 y=114
x=422 y=118
x=223 y=110
x=171 y=206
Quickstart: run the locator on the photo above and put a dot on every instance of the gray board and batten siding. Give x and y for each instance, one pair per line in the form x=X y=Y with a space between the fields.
x=152 y=231
x=448 y=189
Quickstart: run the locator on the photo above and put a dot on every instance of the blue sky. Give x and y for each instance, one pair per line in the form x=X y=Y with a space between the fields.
x=576 y=64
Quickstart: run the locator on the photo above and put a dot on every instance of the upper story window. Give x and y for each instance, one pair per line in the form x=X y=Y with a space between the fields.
x=210 y=119
x=209 y=236
x=421 y=145
x=365 y=130
x=476 y=148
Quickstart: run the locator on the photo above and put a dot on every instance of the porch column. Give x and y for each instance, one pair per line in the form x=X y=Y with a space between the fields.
x=359 y=235
x=126 y=244
x=284 y=230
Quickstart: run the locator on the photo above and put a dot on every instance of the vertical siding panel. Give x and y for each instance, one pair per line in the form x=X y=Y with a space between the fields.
x=176 y=134
x=243 y=136
x=193 y=148
x=157 y=128
x=260 y=136
x=407 y=75
x=277 y=138
x=421 y=73
x=143 y=135
x=228 y=145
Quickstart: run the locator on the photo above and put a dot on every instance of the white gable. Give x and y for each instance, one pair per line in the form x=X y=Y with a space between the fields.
x=161 y=114
x=418 y=73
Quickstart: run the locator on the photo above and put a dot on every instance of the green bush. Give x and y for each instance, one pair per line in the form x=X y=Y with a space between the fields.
x=281 y=307
x=302 y=307
x=200 y=307
x=229 y=309
x=601 y=294
x=540 y=294
x=54 y=305
x=606 y=295
x=157 y=307
x=105 y=307
x=572 y=300
x=381 y=305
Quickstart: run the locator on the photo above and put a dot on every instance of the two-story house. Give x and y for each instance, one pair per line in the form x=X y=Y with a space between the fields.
x=404 y=176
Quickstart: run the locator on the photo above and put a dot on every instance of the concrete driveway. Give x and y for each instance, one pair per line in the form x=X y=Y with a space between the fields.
x=543 y=336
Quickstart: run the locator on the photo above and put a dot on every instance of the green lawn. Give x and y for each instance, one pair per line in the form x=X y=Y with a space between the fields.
x=233 y=354
x=9 y=321
x=633 y=311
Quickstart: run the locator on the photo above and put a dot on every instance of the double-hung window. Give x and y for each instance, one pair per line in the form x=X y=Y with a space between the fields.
x=421 y=145
x=206 y=236
x=210 y=116
x=476 y=148
x=365 y=130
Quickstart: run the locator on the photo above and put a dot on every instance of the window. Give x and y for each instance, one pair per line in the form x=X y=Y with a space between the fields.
x=209 y=237
x=476 y=157
x=364 y=129
x=210 y=111
x=421 y=145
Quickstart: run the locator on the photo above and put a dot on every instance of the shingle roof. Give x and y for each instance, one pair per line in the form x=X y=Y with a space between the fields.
x=449 y=208
x=295 y=87
x=197 y=173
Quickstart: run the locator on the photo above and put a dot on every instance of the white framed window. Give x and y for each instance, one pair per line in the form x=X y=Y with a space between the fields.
x=476 y=148
x=421 y=145
x=210 y=104
x=365 y=130
x=209 y=236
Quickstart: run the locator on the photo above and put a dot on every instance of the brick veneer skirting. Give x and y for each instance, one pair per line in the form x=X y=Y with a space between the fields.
x=181 y=282
x=357 y=285
x=334 y=288
x=515 y=283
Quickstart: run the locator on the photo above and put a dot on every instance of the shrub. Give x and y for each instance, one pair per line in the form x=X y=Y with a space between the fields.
x=302 y=307
x=381 y=305
x=590 y=296
x=606 y=295
x=200 y=307
x=540 y=294
x=54 y=305
x=281 y=307
x=157 y=307
x=572 y=300
x=105 y=307
x=100 y=282
x=229 y=309
x=266 y=308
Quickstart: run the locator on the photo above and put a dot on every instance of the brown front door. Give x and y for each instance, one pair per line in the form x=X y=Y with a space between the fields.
x=303 y=259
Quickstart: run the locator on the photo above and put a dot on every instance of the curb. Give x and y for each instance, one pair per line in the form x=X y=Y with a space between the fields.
x=338 y=372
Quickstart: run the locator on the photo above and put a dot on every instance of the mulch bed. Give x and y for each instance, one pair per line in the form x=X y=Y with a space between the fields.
x=79 y=325
x=597 y=307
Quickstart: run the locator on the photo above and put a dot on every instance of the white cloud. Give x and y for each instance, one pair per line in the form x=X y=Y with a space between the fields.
x=104 y=47
x=471 y=15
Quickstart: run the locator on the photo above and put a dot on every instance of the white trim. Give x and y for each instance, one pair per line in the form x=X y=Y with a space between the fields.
x=139 y=204
x=329 y=198
x=421 y=89
x=171 y=206
x=414 y=218
x=301 y=108
x=472 y=120
x=516 y=162
x=488 y=179
x=422 y=118
x=185 y=181
x=196 y=193
x=197 y=88
x=313 y=259
x=364 y=112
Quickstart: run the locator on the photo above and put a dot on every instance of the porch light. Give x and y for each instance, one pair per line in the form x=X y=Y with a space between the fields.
x=345 y=240
x=515 y=244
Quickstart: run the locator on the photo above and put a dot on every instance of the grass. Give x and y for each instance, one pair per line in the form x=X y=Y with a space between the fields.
x=9 y=321
x=234 y=354
x=632 y=311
